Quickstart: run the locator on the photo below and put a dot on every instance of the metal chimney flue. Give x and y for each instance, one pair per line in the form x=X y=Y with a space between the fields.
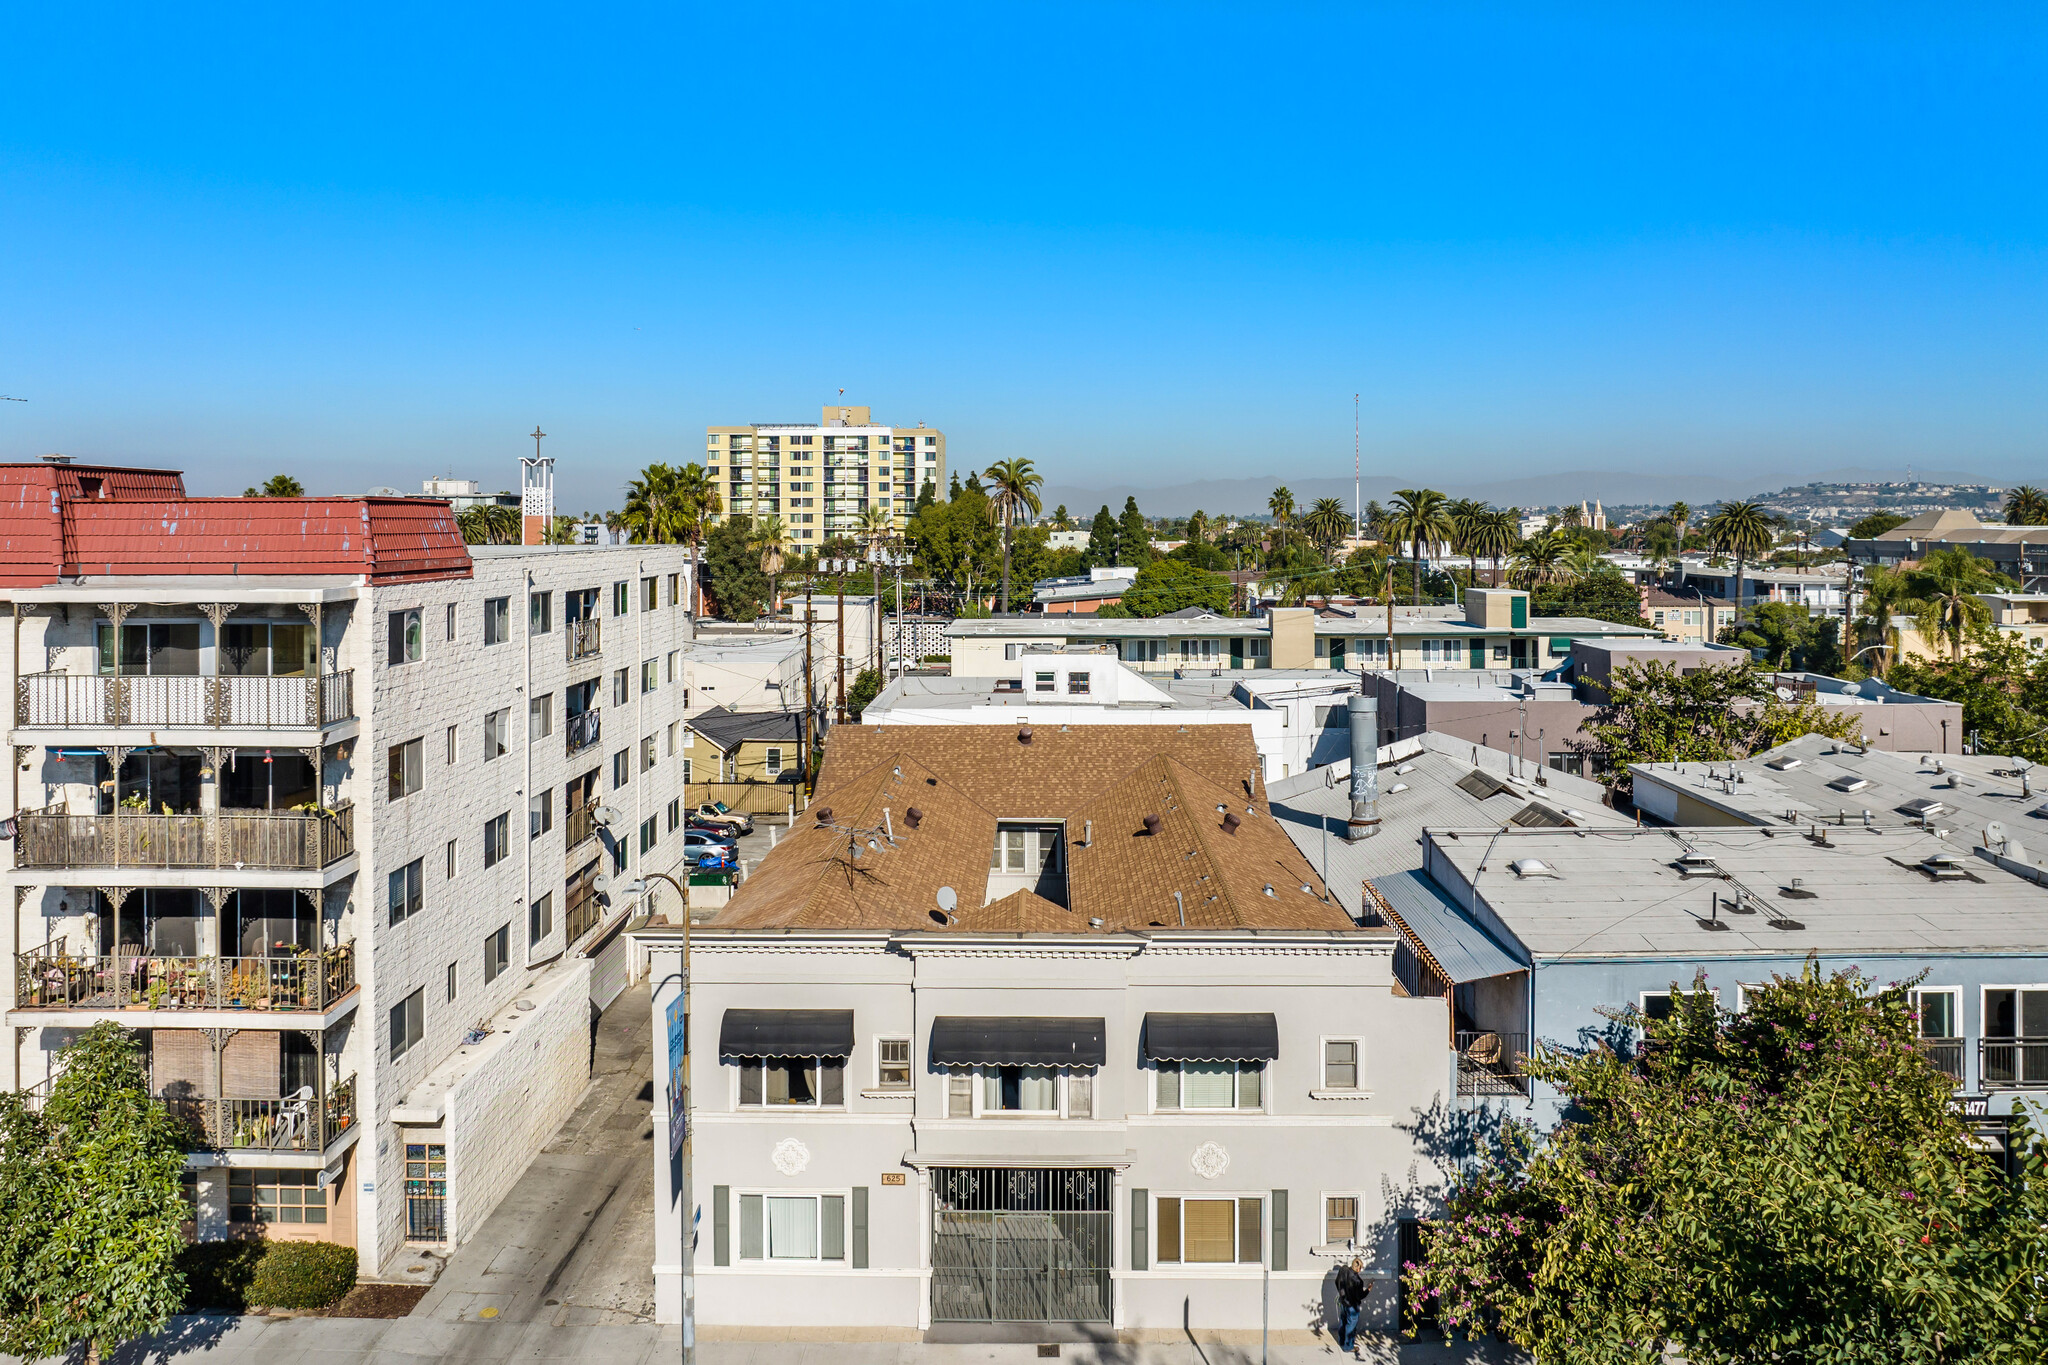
x=1364 y=714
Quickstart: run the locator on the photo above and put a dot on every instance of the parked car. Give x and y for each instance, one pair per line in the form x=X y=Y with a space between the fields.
x=697 y=841
x=718 y=813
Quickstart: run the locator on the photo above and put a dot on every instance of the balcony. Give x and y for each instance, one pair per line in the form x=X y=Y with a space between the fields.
x=581 y=824
x=159 y=703
x=2012 y=1064
x=279 y=840
x=49 y=978
x=582 y=638
x=298 y=1123
x=1944 y=1055
x=1491 y=1063
x=581 y=731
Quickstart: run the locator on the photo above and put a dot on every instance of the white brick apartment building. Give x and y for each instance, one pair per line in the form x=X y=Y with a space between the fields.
x=272 y=760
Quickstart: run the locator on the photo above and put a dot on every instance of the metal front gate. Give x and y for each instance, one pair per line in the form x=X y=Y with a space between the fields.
x=1020 y=1245
x=426 y=1192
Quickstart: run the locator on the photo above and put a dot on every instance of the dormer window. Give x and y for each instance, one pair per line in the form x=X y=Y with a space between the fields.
x=1028 y=857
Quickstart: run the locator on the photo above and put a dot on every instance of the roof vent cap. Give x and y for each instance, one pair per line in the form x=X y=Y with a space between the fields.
x=1531 y=867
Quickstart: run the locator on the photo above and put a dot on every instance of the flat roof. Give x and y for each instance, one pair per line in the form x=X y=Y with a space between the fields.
x=1066 y=625
x=1621 y=894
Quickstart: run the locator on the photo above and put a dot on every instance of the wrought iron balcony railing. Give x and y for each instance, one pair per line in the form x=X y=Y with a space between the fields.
x=286 y=840
x=1491 y=1063
x=49 y=978
x=160 y=702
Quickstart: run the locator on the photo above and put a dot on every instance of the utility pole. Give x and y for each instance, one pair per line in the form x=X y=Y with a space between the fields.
x=1357 y=481
x=843 y=565
x=810 y=705
x=875 y=613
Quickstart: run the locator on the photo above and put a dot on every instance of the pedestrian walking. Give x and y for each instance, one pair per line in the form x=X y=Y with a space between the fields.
x=1352 y=1287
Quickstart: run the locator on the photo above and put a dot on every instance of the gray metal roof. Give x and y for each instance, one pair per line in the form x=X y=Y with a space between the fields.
x=1439 y=926
x=1315 y=813
x=724 y=728
x=1621 y=893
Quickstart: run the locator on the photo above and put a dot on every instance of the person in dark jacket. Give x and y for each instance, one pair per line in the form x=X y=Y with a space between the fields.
x=1352 y=1287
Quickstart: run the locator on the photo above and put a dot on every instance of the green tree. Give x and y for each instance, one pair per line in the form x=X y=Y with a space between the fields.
x=1202 y=555
x=90 y=1209
x=277 y=486
x=1790 y=1183
x=1167 y=585
x=1742 y=529
x=1653 y=713
x=1133 y=536
x=1327 y=523
x=1102 y=540
x=925 y=497
x=955 y=542
x=2026 y=506
x=771 y=537
x=490 y=524
x=655 y=509
x=1061 y=519
x=866 y=684
x=1780 y=629
x=1281 y=506
x=1599 y=596
x=1198 y=526
x=732 y=570
x=1542 y=558
x=1886 y=594
x=1681 y=518
x=1946 y=582
x=1420 y=518
x=1013 y=497
x=2002 y=685
x=1875 y=525
x=954 y=492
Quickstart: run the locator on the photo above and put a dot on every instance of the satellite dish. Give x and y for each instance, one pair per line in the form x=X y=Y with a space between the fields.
x=601 y=883
x=1853 y=690
x=949 y=900
x=1994 y=834
x=1784 y=693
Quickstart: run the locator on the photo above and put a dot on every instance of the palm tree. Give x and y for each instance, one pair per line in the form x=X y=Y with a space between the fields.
x=1281 y=505
x=698 y=494
x=1012 y=497
x=1886 y=593
x=1571 y=518
x=490 y=524
x=1419 y=516
x=1742 y=529
x=1060 y=520
x=773 y=540
x=1375 y=519
x=1681 y=514
x=654 y=509
x=1539 y=559
x=1465 y=514
x=2026 y=506
x=1492 y=535
x=1198 y=526
x=1327 y=522
x=1947 y=582
x=1660 y=538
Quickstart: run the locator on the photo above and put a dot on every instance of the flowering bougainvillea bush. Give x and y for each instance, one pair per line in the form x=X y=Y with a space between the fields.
x=1793 y=1183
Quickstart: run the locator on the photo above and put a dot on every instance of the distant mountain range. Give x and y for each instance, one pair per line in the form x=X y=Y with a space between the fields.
x=1615 y=487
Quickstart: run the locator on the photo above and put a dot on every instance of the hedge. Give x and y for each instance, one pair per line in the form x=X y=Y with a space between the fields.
x=235 y=1276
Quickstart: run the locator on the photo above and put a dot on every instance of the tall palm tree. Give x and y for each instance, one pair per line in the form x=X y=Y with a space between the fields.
x=1540 y=558
x=1492 y=535
x=1375 y=519
x=1419 y=516
x=1571 y=518
x=1681 y=515
x=1281 y=505
x=1947 y=582
x=773 y=540
x=1660 y=538
x=1465 y=515
x=2026 y=506
x=1061 y=521
x=698 y=493
x=1198 y=526
x=1886 y=593
x=654 y=508
x=1742 y=529
x=1012 y=497
x=1326 y=522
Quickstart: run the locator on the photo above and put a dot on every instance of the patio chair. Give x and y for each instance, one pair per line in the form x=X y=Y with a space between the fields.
x=294 y=1118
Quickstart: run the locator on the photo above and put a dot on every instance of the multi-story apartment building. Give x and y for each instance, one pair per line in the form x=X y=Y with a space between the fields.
x=272 y=761
x=820 y=478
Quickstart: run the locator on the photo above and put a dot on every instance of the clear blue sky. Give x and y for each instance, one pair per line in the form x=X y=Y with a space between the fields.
x=1139 y=243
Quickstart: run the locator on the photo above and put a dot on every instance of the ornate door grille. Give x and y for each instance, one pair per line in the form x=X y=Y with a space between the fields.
x=1021 y=1245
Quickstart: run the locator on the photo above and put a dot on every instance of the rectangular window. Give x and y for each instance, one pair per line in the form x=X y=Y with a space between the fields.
x=1020 y=1090
x=540 y=919
x=497 y=952
x=451 y=982
x=671 y=748
x=670 y=676
x=621 y=601
x=1940 y=1015
x=497 y=620
x=406 y=768
x=802 y=1082
x=497 y=725
x=451 y=621
x=1044 y=682
x=2016 y=1012
x=261 y=1195
x=1077 y=684
x=451 y=744
x=650 y=675
x=408 y=1023
x=497 y=839
x=622 y=767
x=1210 y=1085
x=792 y=1227
x=650 y=593
x=773 y=763
x=675 y=814
x=650 y=829
x=892 y=1064
x=403 y=896
x=686 y=772
x=451 y=860
x=540 y=814
x=1340 y=1064
x=1340 y=1218
x=646 y=753
x=402 y=642
x=1210 y=1231
x=622 y=686
x=675 y=590
x=540 y=613
x=540 y=717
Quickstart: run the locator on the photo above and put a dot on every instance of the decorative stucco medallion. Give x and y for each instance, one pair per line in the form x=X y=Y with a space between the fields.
x=1210 y=1160
x=791 y=1156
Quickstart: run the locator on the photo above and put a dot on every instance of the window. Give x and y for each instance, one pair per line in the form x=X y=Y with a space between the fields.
x=1210 y=1231
x=622 y=764
x=675 y=599
x=407 y=768
x=671 y=749
x=497 y=620
x=1340 y=1064
x=1340 y=1218
x=1077 y=684
x=892 y=1064
x=1020 y=1090
x=646 y=752
x=792 y=1227
x=403 y=637
x=650 y=593
x=1659 y=1004
x=622 y=686
x=497 y=952
x=540 y=717
x=540 y=612
x=649 y=830
x=2016 y=1012
x=451 y=744
x=792 y=1081
x=540 y=814
x=451 y=860
x=650 y=675
x=1940 y=1013
x=620 y=600
x=773 y=763
x=262 y=1195
x=686 y=772
x=408 y=1023
x=497 y=839
x=496 y=726
x=451 y=981
x=540 y=919
x=451 y=621
x=404 y=896
x=1210 y=1085
x=1044 y=682
x=670 y=676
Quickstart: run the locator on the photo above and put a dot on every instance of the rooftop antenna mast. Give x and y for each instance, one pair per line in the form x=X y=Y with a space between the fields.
x=1357 y=482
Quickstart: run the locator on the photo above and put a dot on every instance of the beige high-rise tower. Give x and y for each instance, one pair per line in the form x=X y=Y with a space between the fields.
x=819 y=477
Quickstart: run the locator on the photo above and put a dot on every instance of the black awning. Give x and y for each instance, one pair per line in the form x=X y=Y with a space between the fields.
x=1211 y=1037
x=964 y=1040
x=786 y=1033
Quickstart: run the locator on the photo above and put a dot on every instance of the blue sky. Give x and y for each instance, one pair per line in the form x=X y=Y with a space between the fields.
x=1136 y=243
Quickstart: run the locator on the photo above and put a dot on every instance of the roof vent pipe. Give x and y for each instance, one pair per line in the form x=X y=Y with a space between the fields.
x=1364 y=715
x=1181 y=906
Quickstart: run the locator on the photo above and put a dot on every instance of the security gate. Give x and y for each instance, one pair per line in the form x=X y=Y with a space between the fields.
x=1020 y=1245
